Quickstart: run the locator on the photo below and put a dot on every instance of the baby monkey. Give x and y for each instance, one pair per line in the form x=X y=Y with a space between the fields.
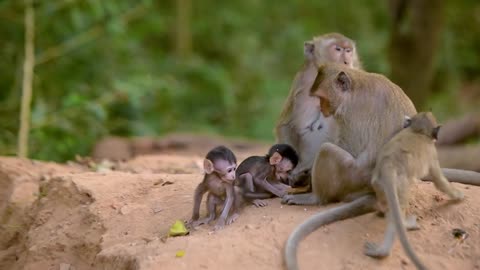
x=262 y=177
x=409 y=155
x=219 y=166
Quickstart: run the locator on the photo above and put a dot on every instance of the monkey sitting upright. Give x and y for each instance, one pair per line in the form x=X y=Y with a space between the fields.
x=301 y=123
x=262 y=177
x=408 y=156
x=219 y=166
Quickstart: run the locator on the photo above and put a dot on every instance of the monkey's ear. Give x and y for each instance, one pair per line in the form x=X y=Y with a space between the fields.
x=275 y=158
x=435 y=132
x=207 y=166
x=407 y=121
x=343 y=81
x=308 y=49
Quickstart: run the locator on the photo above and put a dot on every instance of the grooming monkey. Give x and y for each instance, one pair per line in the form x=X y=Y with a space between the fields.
x=301 y=123
x=368 y=109
x=408 y=156
x=219 y=165
x=263 y=177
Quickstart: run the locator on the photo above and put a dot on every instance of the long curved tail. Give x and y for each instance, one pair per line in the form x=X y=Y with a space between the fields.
x=396 y=215
x=459 y=176
x=360 y=206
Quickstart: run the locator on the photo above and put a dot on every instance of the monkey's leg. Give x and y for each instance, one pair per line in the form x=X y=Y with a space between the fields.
x=383 y=250
x=335 y=174
x=197 y=200
x=212 y=202
x=442 y=184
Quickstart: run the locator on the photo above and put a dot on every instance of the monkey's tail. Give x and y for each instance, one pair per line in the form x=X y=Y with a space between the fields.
x=394 y=208
x=360 y=206
x=461 y=176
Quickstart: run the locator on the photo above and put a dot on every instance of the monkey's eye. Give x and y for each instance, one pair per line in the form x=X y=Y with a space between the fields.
x=337 y=48
x=348 y=50
x=231 y=170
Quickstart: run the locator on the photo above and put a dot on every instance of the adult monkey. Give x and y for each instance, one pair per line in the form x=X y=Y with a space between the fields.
x=368 y=110
x=301 y=124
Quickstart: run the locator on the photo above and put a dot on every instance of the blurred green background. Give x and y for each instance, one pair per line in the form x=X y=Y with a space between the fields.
x=145 y=68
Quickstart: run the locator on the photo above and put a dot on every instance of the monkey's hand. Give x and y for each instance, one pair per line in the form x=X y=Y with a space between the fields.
x=220 y=224
x=260 y=203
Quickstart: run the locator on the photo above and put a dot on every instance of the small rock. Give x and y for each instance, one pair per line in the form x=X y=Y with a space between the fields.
x=248 y=226
x=65 y=266
x=157 y=210
x=158 y=182
x=124 y=210
x=167 y=183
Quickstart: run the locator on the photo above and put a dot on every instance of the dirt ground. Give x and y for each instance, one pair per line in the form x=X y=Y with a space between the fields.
x=67 y=216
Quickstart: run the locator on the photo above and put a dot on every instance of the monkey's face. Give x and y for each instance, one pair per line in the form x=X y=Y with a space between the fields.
x=341 y=53
x=283 y=168
x=225 y=170
x=332 y=86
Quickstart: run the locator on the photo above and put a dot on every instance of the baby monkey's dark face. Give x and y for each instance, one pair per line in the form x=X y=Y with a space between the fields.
x=225 y=170
x=283 y=168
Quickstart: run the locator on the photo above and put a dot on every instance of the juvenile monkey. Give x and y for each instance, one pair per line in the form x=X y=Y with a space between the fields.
x=368 y=110
x=406 y=158
x=219 y=166
x=262 y=177
x=301 y=124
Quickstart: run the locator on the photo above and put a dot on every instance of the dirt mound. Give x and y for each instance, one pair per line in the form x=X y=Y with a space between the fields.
x=117 y=219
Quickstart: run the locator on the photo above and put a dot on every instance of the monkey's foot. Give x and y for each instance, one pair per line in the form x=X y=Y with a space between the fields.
x=260 y=203
x=232 y=218
x=375 y=251
x=457 y=195
x=411 y=224
x=301 y=199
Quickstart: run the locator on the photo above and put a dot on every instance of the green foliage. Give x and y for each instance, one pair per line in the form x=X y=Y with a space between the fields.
x=109 y=67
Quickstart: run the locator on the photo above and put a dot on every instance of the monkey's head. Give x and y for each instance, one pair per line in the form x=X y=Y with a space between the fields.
x=333 y=85
x=331 y=47
x=284 y=159
x=423 y=123
x=222 y=162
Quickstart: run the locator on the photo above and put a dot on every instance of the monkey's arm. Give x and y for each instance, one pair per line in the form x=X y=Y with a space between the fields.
x=226 y=209
x=197 y=199
x=263 y=183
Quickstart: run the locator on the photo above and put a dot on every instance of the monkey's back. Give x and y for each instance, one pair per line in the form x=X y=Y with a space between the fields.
x=257 y=165
x=407 y=154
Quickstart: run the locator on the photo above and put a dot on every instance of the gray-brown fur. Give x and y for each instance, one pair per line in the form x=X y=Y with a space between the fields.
x=219 y=166
x=406 y=158
x=301 y=123
x=368 y=110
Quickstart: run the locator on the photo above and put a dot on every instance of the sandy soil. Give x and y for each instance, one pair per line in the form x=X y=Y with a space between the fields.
x=56 y=216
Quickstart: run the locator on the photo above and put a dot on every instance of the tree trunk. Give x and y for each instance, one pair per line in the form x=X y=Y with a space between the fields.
x=27 y=79
x=416 y=29
x=459 y=130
